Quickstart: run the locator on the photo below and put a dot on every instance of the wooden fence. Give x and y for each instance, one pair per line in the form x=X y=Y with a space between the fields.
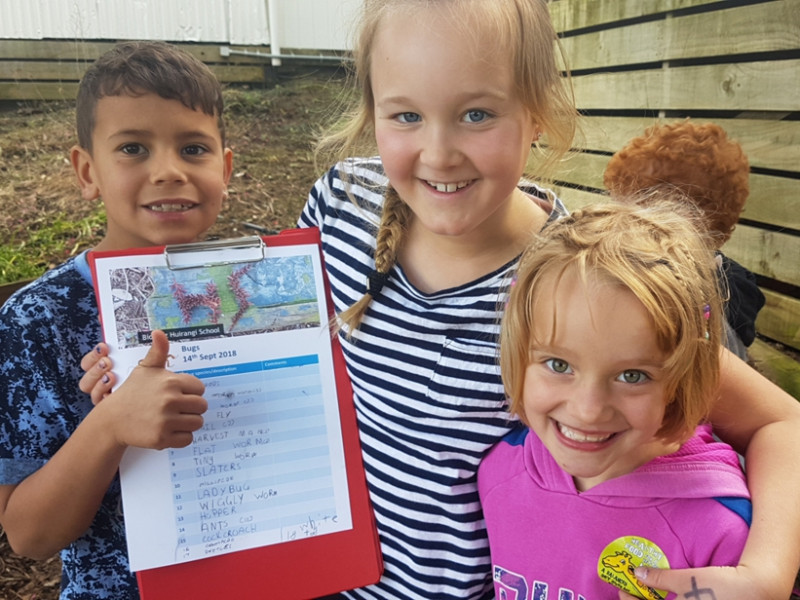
x=736 y=63
x=51 y=69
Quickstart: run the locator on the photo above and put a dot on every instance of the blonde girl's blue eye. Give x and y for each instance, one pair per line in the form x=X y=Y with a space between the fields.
x=409 y=117
x=556 y=365
x=632 y=376
x=476 y=116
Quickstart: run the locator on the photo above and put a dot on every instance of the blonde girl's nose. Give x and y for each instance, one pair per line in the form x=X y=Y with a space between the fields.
x=439 y=147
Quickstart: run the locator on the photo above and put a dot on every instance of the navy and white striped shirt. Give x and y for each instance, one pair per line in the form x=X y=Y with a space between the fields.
x=428 y=395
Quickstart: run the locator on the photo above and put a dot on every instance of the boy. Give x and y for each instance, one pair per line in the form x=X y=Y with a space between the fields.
x=151 y=144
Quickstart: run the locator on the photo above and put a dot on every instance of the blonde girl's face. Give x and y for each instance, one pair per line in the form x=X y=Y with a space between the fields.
x=451 y=130
x=594 y=389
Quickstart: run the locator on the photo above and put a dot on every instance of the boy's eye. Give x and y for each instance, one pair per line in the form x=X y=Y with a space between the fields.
x=194 y=150
x=558 y=366
x=132 y=149
x=408 y=117
x=476 y=116
x=632 y=376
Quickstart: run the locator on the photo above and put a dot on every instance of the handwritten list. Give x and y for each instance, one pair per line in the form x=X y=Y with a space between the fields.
x=261 y=462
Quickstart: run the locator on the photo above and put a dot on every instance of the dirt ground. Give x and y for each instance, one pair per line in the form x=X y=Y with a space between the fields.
x=271 y=133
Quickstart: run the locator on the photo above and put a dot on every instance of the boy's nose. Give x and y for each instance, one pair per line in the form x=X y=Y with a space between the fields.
x=167 y=168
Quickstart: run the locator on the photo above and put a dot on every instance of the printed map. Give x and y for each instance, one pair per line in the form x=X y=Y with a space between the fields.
x=272 y=294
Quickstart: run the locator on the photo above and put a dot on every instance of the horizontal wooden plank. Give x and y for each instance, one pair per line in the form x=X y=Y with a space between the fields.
x=779 y=320
x=573 y=198
x=753 y=86
x=780 y=368
x=773 y=200
x=21 y=70
x=772 y=254
x=577 y=14
x=38 y=90
x=769 y=144
x=88 y=51
x=767 y=27
x=73 y=71
x=53 y=50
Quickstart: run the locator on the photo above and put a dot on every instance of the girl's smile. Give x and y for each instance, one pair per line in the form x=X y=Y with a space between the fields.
x=594 y=389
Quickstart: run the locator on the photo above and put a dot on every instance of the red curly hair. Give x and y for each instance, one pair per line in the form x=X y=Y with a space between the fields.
x=699 y=159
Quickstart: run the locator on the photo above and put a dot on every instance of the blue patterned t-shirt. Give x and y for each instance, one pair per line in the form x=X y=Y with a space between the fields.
x=45 y=329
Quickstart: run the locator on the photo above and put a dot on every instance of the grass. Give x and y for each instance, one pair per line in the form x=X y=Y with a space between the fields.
x=28 y=254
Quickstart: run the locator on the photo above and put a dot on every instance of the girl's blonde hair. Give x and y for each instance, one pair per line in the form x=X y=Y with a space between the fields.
x=526 y=29
x=662 y=254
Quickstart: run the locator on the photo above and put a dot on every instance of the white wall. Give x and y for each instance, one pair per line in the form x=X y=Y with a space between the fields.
x=315 y=24
x=302 y=24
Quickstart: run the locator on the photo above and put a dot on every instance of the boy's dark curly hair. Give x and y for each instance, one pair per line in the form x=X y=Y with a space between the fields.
x=699 y=159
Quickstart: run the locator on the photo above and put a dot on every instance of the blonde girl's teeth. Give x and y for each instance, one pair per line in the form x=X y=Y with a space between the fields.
x=448 y=187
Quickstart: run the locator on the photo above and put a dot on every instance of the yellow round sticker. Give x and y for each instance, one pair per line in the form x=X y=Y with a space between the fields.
x=622 y=556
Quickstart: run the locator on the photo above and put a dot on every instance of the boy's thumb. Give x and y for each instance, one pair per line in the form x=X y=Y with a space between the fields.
x=158 y=353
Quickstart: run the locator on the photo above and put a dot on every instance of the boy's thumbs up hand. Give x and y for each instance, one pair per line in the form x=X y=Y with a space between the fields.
x=158 y=353
x=154 y=407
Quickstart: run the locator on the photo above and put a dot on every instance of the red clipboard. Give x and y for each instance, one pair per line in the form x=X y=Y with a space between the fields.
x=300 y=569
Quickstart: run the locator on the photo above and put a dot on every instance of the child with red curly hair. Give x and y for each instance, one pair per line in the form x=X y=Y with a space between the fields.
x=712 y=170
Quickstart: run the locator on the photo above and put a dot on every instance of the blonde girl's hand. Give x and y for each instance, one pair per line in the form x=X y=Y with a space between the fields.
x=97 y=379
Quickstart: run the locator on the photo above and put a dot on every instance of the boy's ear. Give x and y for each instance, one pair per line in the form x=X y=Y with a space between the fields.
x=227 y=164
x=83 y=166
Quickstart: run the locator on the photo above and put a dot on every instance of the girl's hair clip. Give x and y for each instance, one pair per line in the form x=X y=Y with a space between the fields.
x=707 y=316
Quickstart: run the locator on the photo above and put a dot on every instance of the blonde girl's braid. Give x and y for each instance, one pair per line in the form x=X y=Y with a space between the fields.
x=389 y=240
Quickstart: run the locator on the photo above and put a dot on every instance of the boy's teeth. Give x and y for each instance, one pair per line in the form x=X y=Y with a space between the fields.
x=170 y=207
x=448 y=187
x=577 y=436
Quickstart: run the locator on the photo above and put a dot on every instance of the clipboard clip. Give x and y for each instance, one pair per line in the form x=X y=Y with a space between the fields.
x=217 y=252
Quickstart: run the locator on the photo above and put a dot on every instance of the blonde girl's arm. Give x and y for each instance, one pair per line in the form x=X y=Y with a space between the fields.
x=762 y=422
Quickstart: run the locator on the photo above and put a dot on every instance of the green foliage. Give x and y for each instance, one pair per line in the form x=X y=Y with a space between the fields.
x=28 y=254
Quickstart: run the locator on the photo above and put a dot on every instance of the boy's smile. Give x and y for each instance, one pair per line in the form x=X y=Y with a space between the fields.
x=159 y=167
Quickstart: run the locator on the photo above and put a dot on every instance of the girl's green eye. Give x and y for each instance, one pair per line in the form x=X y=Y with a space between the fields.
x=557 y=365
x=632 y=377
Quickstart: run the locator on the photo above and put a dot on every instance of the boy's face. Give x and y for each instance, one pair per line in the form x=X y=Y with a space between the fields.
x=159 y=167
